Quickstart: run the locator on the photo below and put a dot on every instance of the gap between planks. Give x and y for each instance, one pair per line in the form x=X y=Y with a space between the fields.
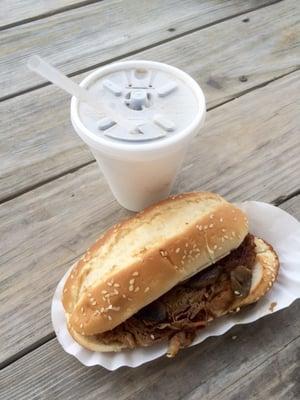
x=48 y=14
x=139 y=50
x=72 y=170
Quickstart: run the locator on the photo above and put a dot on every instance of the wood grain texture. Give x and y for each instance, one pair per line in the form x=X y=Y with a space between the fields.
x=44 y=139
x=260 y=363
x=293 y=206
x=16 y=11
x=96 y=33
x=45 y=230
x=278 y=378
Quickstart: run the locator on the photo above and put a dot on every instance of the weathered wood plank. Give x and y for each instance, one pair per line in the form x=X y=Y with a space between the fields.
x=261 y=353
x=44 y=230
x=293 y=206
x=96 y=33
x=44 y=139
x=16 y=11
x=276 y=378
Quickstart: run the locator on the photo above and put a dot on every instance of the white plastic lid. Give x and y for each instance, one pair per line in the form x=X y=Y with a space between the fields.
x=162 y=101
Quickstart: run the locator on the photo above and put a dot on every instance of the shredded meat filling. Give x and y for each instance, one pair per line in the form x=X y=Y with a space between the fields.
x=178 y=314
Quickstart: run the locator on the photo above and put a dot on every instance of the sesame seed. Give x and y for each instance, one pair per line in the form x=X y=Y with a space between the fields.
x=200 y=228
x=72 y=276
x=131 y=288
x=177 y=250
x=215 y=247
x=109 y=317
x=219 y=248
x=116 y=285
x=102 y=309
x=109 y=283
x=83 y=334
x=81 y=309
x=211 y=216
x=152 y=336
x=116 y=292
x=226 y=237
x=116 y=308
x=211 y=225
x=94 y=303
x=131 y=282
x=109 y=307
x=103 y=291
x=205 y=226
x=106 y=295
x=184 y=256
x=223 y=230
x=135 y=273
x=65 y=290
x=124 y=296
x=221 y=220
x=270 y=284
x=237 y=309
x=186 y=245
x=234 y=337
x=81 y=326
x=236 y=292
x=147 y=289
x=233 y=234
x=89 y=295
x=137 y=289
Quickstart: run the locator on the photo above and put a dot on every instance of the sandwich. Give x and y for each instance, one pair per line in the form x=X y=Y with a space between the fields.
x=165 y=273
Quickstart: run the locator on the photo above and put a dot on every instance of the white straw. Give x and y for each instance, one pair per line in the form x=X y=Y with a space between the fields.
x=40 y=66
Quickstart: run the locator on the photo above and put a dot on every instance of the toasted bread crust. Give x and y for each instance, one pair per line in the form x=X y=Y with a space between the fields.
x=205 y=228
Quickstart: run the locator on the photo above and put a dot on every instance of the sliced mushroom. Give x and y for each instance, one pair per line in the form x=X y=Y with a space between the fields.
x=241 y=278
x=205 y=278
x=155 y=312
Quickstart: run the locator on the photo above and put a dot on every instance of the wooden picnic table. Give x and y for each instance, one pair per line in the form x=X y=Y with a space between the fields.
x=55 y=202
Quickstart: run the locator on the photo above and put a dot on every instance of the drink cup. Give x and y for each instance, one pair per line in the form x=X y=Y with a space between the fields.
x=166 y=106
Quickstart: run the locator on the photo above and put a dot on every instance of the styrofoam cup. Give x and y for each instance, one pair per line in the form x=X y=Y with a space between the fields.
x=140 y=174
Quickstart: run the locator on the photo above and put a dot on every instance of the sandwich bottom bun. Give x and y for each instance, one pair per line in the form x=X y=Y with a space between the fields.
x=264 y=274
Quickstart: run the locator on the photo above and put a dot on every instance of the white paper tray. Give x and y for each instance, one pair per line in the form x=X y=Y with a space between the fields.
x=274 y=225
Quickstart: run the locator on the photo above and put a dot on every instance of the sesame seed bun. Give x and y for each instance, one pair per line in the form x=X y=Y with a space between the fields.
x=137 y=261
x=265 y=272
